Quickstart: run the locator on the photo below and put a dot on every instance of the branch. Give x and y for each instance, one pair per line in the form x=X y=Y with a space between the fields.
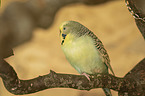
x=137 y=9
x=137 y=74
x=54 y=80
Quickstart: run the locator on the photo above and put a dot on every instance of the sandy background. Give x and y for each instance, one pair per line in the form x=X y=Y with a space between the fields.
x=111 y=22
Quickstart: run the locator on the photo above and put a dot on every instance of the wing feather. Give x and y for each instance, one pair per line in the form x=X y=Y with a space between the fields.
x=101 y=49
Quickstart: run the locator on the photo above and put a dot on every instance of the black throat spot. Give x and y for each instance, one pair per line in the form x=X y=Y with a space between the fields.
x=62 y=42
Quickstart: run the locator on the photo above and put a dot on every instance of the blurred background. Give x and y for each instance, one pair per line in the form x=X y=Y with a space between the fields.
x=111 y=22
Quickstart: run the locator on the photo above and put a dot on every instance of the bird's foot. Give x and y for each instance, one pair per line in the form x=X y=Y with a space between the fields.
x=86 y=75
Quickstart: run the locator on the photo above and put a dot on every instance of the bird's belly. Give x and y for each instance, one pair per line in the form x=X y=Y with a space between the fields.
x=84 y=56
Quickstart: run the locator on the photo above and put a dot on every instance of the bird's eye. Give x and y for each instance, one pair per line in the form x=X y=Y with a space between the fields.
x=64 y=28
x=63 y=35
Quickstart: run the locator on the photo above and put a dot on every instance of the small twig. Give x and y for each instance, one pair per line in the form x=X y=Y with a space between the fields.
x=135 y=15
x=137 y=9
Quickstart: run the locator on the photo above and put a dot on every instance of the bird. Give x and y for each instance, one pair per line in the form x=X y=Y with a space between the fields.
x=84 y=51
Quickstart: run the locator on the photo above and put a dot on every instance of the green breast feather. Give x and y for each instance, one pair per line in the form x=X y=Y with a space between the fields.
x=83 y=55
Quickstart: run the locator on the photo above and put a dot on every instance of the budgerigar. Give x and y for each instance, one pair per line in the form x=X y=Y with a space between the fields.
x=84 y=51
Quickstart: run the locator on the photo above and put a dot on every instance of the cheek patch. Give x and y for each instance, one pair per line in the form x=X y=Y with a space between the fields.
x=63 y=35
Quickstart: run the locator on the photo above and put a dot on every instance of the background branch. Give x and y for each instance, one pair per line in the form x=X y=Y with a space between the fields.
x=137 y=9
x=33 y=14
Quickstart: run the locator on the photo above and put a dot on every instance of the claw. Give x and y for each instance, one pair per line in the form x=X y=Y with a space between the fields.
x=86 y=75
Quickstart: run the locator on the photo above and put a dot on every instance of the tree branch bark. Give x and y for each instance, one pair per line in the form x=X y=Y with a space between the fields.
x=137 y=9
x=137 y=74
x=133 y=83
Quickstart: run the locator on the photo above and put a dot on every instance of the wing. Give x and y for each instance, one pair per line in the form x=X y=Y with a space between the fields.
x=101 y=49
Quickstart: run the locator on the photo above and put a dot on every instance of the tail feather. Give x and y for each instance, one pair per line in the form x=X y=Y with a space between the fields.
x=107 y=91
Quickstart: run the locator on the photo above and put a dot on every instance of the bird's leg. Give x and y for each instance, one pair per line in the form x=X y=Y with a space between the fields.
x=86 y=75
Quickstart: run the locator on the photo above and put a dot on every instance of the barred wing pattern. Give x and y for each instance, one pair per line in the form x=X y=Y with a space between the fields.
x=101 y=49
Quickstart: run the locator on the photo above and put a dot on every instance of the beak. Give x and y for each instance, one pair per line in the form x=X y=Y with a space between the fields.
x=59 y=32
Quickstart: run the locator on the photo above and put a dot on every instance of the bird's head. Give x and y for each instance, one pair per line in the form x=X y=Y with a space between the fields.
x=71 y=30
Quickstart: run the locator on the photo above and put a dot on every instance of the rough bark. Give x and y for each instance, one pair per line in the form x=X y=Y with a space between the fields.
x=132 y=83
x=137 y=9
x=137 y=74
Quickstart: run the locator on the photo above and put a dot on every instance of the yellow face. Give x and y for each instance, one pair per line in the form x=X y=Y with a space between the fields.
x=69 y=31
x=64 y=32
x=61 y=32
